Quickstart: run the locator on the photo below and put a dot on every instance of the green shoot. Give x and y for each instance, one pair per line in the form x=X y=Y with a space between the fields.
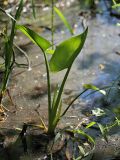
x=33 y=8
x=8 y=52
x=58 y=62
x=64 y=20
x=90 y=86
x=115 y=4
x=103 y=131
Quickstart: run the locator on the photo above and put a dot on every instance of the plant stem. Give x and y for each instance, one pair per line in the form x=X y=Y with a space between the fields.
x=25 y=54
x=73 y=102
x=52 y=23
x=107 y=87
x=53 y=124
x=1 y=97
x=50 y=117
x=62 y=87
x=9 y=49
x=113 y=83
x=49 y=87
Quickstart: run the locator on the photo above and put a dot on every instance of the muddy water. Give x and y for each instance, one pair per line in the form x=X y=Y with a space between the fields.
x=98 y=63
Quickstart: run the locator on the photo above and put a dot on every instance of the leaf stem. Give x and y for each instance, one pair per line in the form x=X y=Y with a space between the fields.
x=61 y=89
x=107 y=87
x=49 y=86
x=52 y=23
x=73 y=102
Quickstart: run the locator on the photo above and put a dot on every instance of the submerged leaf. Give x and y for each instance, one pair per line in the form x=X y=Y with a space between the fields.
x=57 y=137
x=90 y=86
x=35 y=38
x=90 y=139
x=82 y=150
x=114 y=2
x=66 y=52
x=118 y=121
x=103 y=131
x=116 y=5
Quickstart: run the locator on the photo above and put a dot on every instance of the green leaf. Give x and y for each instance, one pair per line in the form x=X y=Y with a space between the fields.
x=8 y=64
x=81 y=150
x=7 y=55
x=55 y=96
x=66 y=52
x=50 y=51
x=91 y=140
x=35 y=38
x=33 y=8
x=90 y=86
x=56 y=113
x=103 y=131
x=118 y=121
x=90 y=124
x=114 y=2
x=62 y=17
x=116 y=5
x=19 y=10
x=57 y=137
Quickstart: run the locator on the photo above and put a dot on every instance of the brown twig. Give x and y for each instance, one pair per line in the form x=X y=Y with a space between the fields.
x=42 y=122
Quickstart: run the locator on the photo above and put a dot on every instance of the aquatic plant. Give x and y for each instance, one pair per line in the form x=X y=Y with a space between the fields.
x=33 y=8
x=9 y=55
x=64 y=20
x=115 y=4
x=62 y=58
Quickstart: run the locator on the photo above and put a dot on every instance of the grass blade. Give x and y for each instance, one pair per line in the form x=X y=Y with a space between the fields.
x=19 y=10
x=64 y=20
x=33 y=8
x=103 y=131
x=90 y=124
x=9 y=53
x=116 y=5
x=90 y=139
